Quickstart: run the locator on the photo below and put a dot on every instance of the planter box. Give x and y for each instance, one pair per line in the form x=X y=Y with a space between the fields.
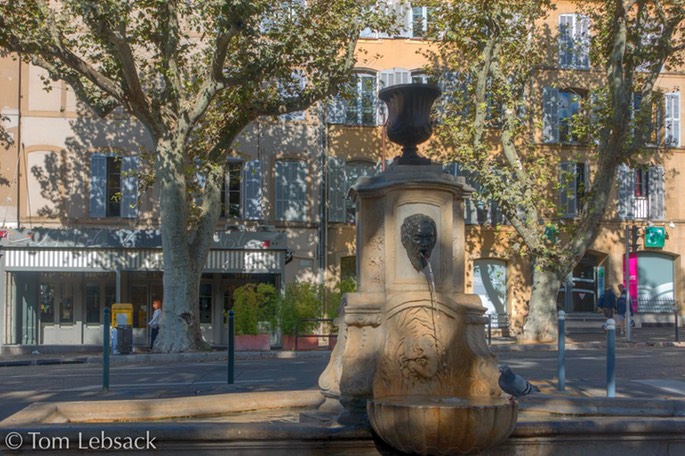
x=303 y=343
x=252 y=342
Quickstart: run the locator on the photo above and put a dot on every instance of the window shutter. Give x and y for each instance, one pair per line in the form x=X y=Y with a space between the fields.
x=336 y=110
x=299 y=197
x=336 y=190
x=567 y=189
x=395 y=76
x=252 y=190
x=656 y=193
x=625 y=178
x=566 y=40
x=98 y=185
x=550 y=115
x=404 y=18
x=672 y=119
x=129 y=187
x=582 y=41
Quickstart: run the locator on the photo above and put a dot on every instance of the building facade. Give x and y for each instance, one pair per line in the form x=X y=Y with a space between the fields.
x=70 y=249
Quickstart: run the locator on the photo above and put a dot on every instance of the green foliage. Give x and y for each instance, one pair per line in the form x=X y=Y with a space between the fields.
x=334 y=297
x=300 y=301
x=254 y=303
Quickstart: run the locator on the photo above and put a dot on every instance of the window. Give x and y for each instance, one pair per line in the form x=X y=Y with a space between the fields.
x=477 y=209
x=573 y=178
x=341 y=176
x=353 y=171
x=562 y=115
x=574 y=41
x=291 y=190
x=357 y=102
x=663 y=125
x=252 y=188
x=230 y=196
x=113 y=186
x=421 y=20
x=419 y=77
x=490 y=284
x=292 y=88
x=640 y=193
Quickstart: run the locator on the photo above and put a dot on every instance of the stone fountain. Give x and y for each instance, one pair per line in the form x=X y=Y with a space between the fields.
x=411 y=362
x=412 y=358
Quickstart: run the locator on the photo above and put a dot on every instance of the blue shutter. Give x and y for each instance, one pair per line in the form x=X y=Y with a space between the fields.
x=252 y=190
x=336 y=110
x=298 y=194
x=550 y=115
x=129 y=187
x=625 y=178
x=336 y=189
x=582 y=41
x=98 y=185
x=567 y=189
x=656 y=193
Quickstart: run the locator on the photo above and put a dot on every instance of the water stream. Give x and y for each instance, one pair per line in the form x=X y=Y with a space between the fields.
x=434 y=310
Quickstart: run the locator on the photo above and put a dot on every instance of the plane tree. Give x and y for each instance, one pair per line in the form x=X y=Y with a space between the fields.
x=507 y=74
x=195 y=73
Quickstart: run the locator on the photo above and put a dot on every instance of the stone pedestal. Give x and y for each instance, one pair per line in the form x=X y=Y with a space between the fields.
x=400 y=334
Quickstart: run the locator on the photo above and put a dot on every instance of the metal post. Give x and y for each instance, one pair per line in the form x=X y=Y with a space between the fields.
x=626 y=322
x=231 y=347
x=561 y=351
x=611 y=357
x=105 y=349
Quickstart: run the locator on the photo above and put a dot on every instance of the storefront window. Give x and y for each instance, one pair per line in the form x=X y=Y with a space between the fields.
x=93 y=303
x=47 y=303
x=66 y=308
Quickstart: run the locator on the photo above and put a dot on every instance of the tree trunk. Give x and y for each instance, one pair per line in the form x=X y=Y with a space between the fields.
x=541 y=324
x=183 y=258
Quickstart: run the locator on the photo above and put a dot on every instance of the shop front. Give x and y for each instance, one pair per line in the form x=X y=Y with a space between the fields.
x=58 y=283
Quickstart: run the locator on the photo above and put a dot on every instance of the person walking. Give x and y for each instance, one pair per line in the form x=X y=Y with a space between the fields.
x=154 y=321
x=607 y=302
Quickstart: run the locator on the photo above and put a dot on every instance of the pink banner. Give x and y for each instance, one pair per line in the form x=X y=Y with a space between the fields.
x=632 y=280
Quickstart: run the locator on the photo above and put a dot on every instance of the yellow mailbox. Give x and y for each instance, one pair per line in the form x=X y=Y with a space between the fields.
x=122 y=314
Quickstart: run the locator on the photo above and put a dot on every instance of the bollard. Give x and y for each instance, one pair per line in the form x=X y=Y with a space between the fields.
x=611 y=357
x=561 y=351
x=105 y=350
x=231 y=347
x=675 y=315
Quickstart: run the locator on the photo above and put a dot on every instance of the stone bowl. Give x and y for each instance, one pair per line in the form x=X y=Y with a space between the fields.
x=434 y=425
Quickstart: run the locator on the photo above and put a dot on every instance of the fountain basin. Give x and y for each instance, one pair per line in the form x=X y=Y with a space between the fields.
x=433 y=425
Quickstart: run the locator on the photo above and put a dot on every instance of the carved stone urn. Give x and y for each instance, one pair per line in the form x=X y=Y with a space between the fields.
x=409 y=122
x=412 y=360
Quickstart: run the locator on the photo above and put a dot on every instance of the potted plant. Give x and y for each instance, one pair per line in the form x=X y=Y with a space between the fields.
x=300 y=302
x=254 y=307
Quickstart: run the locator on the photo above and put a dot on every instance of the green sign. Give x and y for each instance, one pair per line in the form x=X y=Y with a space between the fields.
x=655 y=236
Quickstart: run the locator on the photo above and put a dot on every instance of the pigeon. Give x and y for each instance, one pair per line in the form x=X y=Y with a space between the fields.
x=514 y=384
